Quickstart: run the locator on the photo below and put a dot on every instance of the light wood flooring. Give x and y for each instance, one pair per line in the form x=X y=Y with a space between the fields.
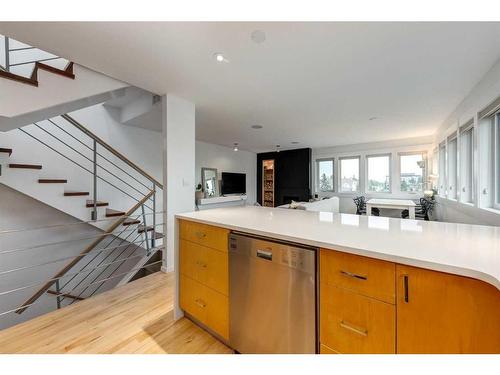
x=134 y=318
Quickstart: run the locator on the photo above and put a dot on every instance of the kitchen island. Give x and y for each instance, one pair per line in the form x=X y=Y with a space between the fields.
x=385 y=285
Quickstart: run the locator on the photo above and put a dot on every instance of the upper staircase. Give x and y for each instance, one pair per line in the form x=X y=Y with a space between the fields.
x=42 y=85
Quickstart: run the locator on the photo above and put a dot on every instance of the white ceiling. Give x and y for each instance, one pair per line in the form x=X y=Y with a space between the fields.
x=316 y=83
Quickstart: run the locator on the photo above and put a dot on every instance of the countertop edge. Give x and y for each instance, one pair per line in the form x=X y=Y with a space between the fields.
x=460 y=271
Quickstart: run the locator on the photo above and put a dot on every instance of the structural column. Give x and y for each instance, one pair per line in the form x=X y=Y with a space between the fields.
x=178 y=132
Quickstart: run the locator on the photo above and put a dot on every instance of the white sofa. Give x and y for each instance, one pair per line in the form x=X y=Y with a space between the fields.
x=325 y=205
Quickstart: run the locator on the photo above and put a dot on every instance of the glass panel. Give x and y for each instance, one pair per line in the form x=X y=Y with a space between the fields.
x=379 y=179
x=466 y=150
x=349 y=174
x=412 y=172
x=442 y=171
x=452 y=169
x=497 y=153
x=325 y=175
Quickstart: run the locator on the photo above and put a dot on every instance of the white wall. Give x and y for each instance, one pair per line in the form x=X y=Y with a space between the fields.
x=393 y=147
x=486 y=91
x=226 y=160
x=178 y=134
x=55 y=95
x=20 y=212
x=143 y=147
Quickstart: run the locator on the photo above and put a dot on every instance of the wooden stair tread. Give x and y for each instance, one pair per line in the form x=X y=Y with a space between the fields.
x=131 y=222
x=6 y=150
x=52 y=181
x=142 y=228
x=61 y=294
x=90 y=204
x=68 y=72
x=18 y=78
x=113 y=213
x=25 y=166
x=76 y=193
x=157 y=235
x=33 y=80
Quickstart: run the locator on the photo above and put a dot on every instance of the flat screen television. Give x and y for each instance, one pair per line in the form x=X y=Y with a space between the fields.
x=233 y=183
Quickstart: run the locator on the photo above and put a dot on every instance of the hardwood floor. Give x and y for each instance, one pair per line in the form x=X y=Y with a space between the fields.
x=134 y=318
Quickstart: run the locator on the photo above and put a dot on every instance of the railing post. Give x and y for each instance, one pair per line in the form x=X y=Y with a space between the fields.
x=94 y=210
x=57 y=291
x=7 y=54
x=145 y=225
x=153 y=237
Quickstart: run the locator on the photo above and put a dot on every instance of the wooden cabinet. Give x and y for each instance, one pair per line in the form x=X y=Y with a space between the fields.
x=443 y=313
x=204 y=286
x=369 y=277
x=357 y=296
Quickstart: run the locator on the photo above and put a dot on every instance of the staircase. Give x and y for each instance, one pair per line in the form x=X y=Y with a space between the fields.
x=58 y=161
x=61 y=85
x=111 y=193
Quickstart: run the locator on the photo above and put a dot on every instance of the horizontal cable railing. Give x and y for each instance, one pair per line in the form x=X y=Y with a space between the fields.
x=90 y=277
x=21 y=60
x=134 y=233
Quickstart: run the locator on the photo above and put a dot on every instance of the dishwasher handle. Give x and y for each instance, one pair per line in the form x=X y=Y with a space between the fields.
x=267 y=255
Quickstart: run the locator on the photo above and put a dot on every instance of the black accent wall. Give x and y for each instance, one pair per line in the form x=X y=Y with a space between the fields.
x=292 y=175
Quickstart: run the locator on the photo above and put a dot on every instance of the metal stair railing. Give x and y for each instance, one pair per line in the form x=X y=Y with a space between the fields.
x=96 y=157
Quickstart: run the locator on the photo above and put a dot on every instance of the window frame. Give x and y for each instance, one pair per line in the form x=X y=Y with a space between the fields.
x=462 y=179
x=442 y=170
x=367 y=172
x=496 y=160
x=339 y=180
x=452 y=138
x=424 y=172
x=318 y=190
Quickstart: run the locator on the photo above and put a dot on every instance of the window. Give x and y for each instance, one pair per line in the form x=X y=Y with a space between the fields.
x=379 y=176
x=451 y=157
x=486 y=169
x=325 y=174
x=497 y=160
x=349 y=174
x=466 y=163
x=412 y=172
x=442 y=170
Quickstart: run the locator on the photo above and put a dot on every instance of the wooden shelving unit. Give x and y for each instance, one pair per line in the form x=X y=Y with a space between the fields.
x=268 y=183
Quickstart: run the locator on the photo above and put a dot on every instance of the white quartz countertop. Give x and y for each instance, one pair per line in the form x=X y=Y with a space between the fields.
x=461 y=249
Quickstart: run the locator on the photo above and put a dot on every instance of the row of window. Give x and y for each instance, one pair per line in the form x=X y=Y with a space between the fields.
x=378 y=173
x=461 y=176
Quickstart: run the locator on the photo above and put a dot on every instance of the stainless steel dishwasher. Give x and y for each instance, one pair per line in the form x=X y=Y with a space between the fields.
x=272 y=296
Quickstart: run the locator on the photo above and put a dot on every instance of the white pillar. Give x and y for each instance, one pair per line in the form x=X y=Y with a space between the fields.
x=178 y=132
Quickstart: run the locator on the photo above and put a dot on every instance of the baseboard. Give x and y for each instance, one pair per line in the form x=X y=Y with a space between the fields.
x=167 y=269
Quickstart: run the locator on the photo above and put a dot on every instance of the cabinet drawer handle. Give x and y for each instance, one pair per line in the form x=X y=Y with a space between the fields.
x=201 y=264
x=200 y=235
x=405 y=282
x=200 y=303
x=350 y=274
x=359 y=331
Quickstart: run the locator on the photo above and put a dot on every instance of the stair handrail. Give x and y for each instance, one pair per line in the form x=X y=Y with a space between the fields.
x=111 y=149
x=89 y=248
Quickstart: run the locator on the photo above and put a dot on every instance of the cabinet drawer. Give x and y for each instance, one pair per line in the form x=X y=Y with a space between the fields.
x=206 y=305
x=370 y=277
x=355 y=324
x=205 y=265
x=203 y=234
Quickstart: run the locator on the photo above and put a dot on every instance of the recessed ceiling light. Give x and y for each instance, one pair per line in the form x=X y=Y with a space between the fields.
x=256 y=126
x=295 y=143
x=258 y=36
x=235 y=148
x=219 y=57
